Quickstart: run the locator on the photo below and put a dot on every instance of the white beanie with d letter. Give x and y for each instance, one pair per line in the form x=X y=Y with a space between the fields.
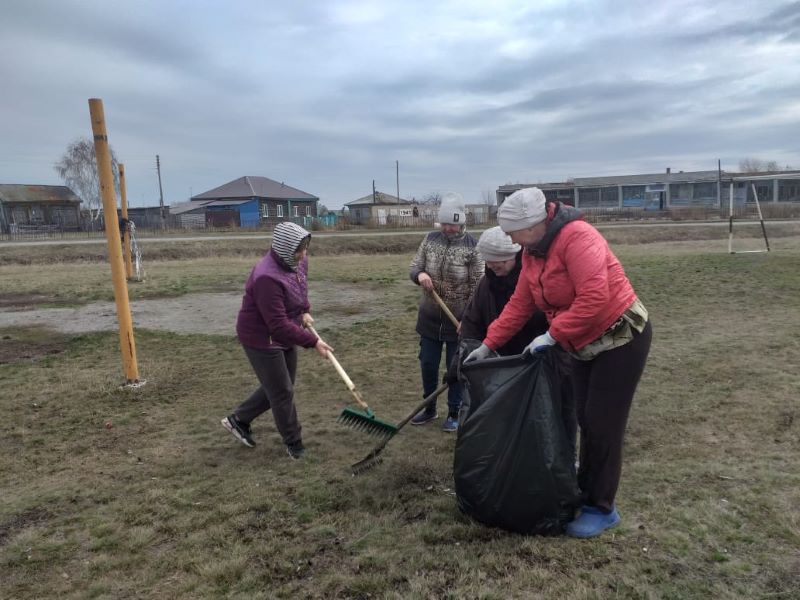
x=452 y=210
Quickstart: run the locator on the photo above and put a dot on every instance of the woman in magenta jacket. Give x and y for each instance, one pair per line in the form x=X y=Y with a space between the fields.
x=570 y=273
x=271 y=324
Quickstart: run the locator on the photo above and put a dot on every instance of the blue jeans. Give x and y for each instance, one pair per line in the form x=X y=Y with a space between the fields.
x=430 y=355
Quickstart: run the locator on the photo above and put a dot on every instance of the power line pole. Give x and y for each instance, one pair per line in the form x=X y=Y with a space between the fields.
x=160 y=192
x=397 y=171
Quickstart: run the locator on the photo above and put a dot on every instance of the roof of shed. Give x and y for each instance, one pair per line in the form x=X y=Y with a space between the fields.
x=382 y=199
x=185 y=207
x=12 y=192
x=651 y=178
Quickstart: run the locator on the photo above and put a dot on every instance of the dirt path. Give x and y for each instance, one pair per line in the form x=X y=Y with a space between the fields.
x=334 y=305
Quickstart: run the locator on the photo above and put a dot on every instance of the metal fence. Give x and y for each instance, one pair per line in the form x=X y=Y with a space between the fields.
x=173 y=226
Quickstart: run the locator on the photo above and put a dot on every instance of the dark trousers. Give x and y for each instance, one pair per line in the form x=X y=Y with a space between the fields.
x=276 y=371
x=563 y=373
x=430 y=355
x=604 y=388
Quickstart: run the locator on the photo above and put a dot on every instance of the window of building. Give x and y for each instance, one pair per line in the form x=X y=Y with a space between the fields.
x=763 y=189
x=296 y=211
x=588 y=197
x=64 y=215
x=704 y=193
x=279 y=212
x=37 y=215
x=609 y=197
x=633 y=196
x=680 y=194
x=788 y=190
x=264 y=210
x=308 y=210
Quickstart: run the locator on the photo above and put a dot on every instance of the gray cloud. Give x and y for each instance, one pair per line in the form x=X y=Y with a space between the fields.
x=783 y=22
x=465 y=96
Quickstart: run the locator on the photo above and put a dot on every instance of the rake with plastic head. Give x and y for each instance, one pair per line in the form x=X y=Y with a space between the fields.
x=361 y=420
x=374 y=458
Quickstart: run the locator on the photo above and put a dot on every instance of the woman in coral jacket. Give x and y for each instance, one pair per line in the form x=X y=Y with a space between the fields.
x=570 y=273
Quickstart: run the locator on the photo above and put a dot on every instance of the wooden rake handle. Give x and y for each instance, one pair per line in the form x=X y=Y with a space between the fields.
x=444 y=308
x=340 y=370
x=424 y=404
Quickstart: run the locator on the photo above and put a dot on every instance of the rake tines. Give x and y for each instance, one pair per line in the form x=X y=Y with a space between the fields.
x=366 y=423
x=373 y=459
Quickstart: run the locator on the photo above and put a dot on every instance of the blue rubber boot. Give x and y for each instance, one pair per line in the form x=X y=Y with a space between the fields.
x=592 y=522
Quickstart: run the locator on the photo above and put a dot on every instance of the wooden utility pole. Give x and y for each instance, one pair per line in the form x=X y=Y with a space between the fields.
x=126 y=341
x=160 y=193
x=126 y=236
x=397 y=172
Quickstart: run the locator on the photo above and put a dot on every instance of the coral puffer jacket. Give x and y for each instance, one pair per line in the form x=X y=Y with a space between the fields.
x=578 y=283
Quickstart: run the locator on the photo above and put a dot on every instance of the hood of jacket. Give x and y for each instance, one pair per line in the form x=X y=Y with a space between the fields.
x=558 y=215
x=286 y=239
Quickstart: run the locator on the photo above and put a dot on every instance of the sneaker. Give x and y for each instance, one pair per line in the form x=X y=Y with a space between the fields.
x=592 y=522
x=241 y=431
x=450 y=424
x=424 y=416
x=296 y=450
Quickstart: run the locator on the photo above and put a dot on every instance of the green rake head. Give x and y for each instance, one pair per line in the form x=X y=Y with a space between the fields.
x=365 y=421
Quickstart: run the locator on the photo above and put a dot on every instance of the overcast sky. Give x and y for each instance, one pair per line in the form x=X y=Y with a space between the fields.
x=466 y=95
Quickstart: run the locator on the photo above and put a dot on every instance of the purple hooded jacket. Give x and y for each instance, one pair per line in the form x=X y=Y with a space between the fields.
x=275 y=298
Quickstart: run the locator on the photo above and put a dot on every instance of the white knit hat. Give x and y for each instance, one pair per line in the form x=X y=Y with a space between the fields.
x=495 y=245
x=522 y=209
x=452 y=209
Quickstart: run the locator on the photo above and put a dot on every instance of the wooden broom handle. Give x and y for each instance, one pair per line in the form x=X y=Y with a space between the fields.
x=340 y=370
x=446 y=310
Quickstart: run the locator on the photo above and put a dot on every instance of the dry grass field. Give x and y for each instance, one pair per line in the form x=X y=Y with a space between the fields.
x=110 y=493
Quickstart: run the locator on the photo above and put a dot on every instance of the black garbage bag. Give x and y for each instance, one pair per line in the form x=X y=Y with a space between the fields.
x=514 y=467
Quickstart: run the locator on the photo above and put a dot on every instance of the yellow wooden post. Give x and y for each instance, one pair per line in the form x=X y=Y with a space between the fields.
x=126 y=245
x=126 y=341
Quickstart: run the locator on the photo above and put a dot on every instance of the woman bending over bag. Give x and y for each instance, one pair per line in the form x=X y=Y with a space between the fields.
x=570 y=273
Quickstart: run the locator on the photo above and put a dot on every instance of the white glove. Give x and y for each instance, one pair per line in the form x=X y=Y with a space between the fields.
x=540 y=343
x=481 y=352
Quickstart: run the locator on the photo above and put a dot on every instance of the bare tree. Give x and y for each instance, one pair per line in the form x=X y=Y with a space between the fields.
x=78 y=168
x=434 y=198
x=489 y=197
x=756 y=165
